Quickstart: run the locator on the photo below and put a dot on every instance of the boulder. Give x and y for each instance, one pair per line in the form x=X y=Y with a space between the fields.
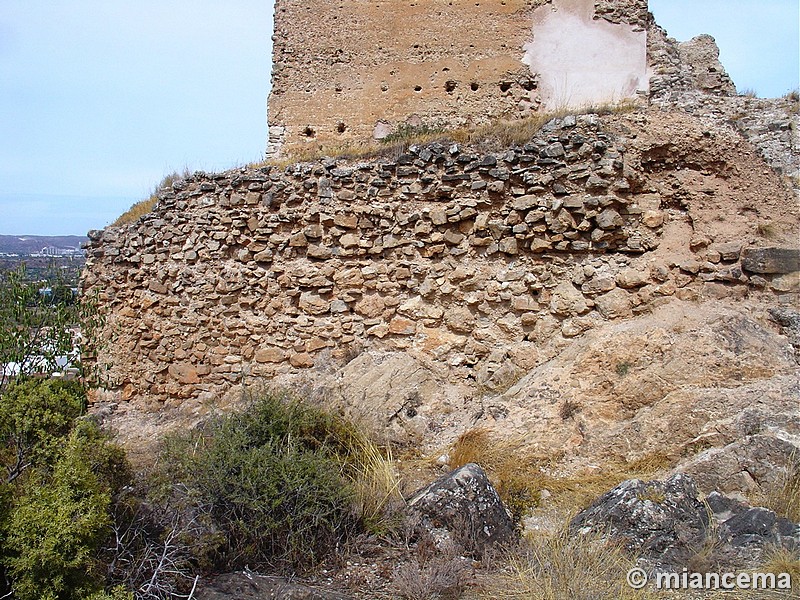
x=463 y=507
x=771 y=260
x=744 y=532
x=656 y=519
x=666 y=524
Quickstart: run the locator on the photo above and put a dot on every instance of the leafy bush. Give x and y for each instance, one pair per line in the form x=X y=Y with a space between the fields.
x=35 y=415
x=61 y=474
x=34 y=327
x=276 y=480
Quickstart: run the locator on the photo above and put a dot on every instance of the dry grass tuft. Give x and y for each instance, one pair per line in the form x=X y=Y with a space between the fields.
x=565 y=566
x=767 y=230
x=438 y=577
x=783 y=560
x=520 y=476
x=513 y=472
x=136 y=212
x=376 y=484
x=143 y=207
x=784 y=499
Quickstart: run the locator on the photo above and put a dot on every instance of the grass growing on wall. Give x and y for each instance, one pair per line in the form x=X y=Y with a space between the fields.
x=143 y=207
x=494 y=136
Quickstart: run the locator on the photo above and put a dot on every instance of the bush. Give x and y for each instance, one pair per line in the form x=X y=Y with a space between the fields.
x=55 y=529
x=34 y=327
x=35 y=415
x=276 y=480
x=61 y=474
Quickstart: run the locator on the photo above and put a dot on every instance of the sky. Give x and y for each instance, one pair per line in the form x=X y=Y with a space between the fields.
x=100 y=99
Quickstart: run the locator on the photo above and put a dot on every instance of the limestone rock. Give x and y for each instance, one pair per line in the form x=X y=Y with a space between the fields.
x=771 y=260
x=465 y=507
x=567 y=300
x=632 y=278
x=616 y=304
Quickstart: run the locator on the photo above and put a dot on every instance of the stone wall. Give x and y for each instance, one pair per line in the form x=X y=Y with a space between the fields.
x=446 y=251
x=347 y=71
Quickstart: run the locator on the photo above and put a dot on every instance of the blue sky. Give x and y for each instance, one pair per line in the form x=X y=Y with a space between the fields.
x=100 y=98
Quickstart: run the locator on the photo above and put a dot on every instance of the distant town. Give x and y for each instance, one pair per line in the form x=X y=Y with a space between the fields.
x=47 y=258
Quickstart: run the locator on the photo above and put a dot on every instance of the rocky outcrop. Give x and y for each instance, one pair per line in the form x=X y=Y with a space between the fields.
x=666 y=524
x=463 y=508
x=748 y=465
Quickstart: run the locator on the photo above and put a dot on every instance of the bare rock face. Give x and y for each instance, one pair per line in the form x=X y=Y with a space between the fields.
x=391 y=394
x=464 y=507
x=747 y=465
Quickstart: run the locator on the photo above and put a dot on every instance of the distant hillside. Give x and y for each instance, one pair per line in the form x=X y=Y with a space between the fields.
x=29 y=244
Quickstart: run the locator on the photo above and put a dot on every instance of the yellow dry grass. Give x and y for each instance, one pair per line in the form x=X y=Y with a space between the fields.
x=143 y=207
x=784 y=499
x=497 y=135
x=561 y=566
x=520 y=476
x=376 y=483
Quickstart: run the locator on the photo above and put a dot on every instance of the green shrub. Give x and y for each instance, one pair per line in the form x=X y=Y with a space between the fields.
x=117 y=593
x=35 y=415
x=57 y=525
x=61 y=473
x=34 y=327
x=275 y=481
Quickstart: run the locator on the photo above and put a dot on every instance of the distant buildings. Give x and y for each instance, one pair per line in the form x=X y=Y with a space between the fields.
x=54 y=251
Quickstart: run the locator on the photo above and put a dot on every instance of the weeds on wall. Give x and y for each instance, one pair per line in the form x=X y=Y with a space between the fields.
x=143 y=207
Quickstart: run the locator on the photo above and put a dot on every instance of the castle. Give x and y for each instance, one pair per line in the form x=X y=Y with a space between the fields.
x=347 y=71
x=486 y=260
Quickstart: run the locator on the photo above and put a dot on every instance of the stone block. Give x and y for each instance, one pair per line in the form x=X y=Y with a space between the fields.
x=771 y=260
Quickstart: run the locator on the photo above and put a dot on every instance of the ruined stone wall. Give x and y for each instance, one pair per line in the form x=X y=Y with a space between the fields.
x=446 y=251
x=346 y=71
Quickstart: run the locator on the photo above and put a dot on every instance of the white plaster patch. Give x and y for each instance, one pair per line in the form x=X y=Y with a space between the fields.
x=581 y=61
